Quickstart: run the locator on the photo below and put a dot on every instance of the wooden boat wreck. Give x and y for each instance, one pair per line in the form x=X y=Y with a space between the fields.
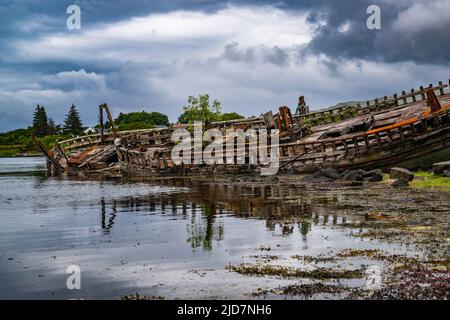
x=411 y=130
x=89 y=154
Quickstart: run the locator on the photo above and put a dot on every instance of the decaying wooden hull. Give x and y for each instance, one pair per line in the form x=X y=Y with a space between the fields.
x=87 y=154
x=416 y=153
x=399 y=131
x=411 y=130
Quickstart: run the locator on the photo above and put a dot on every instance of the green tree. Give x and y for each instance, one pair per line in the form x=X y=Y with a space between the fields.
x=141 y=120
x=72 y=123
x=199 y=109
x=52 y=127
x=231 y=116
x=40 y=122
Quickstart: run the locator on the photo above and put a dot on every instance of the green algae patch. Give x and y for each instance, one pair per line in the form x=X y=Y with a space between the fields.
x=430 y=180
x=289 y=272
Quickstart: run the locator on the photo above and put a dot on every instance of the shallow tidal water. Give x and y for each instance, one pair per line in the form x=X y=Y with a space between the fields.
x=170 y=238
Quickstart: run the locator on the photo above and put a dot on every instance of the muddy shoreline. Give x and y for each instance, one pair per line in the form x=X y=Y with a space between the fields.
x=414 y=217
x=222 y=238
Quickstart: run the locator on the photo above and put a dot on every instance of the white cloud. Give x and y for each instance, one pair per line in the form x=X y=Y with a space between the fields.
x=170 y=36
x=75 y=80
x=345 y=27
x=247 y=57
x=422 y=16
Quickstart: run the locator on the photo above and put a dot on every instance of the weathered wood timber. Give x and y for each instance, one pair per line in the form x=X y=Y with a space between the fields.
x=87 y=154
x=411 y=130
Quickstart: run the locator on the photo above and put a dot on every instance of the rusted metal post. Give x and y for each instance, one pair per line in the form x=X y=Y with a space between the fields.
x=301 y=108
x=432 y=101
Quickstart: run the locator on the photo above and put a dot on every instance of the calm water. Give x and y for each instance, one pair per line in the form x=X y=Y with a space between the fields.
x=22 y=165
x=170 y=238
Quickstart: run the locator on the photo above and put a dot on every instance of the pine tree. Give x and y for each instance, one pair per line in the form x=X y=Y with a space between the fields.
x=40 y=122
x=52 y=127
x=36 y=119
x=72 y=123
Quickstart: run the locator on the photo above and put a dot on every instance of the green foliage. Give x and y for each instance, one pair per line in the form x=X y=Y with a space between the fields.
x=72 y=123
x=430 y=180
x=231 y=116
x=141 y=120
x=53 y=128
x=40 y=122
x=135 y=126
x=18 y=142
x=199 y=109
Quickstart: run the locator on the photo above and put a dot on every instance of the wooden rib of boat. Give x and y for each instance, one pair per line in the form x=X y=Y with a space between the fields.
x=402 y=130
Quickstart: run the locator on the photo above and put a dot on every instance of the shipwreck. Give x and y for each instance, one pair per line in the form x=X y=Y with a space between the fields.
x=411 y=130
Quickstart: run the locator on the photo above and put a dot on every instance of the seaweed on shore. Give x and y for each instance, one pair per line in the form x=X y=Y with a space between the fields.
x=289 y=272
x=427 y=280
x=307 y=290
x=138 y=297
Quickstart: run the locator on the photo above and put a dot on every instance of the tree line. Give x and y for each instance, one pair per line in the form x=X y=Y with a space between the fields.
x=18 y=142
x=43 y=126
x=198 y=109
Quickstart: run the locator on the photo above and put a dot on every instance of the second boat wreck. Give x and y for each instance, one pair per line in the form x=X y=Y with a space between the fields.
x=411 y=130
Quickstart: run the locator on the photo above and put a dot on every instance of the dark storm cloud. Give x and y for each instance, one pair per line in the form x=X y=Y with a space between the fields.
x=233 y=53
x=273 y=55
x=277 y=56
x=39 y=62
x=430 y=45
x=357 y=43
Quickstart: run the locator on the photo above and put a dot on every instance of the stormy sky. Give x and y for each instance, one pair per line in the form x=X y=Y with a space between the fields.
x=253 y=56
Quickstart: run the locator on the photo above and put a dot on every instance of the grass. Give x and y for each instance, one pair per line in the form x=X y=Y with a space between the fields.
x=424 y=179
x=21 y=145
x=430 y=180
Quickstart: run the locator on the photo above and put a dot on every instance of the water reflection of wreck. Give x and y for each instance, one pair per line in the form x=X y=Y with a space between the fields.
x=410 y=130
x=107 y=221
x=285 y=208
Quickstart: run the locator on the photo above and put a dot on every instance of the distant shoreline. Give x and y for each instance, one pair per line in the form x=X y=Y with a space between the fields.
x=37 y=155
